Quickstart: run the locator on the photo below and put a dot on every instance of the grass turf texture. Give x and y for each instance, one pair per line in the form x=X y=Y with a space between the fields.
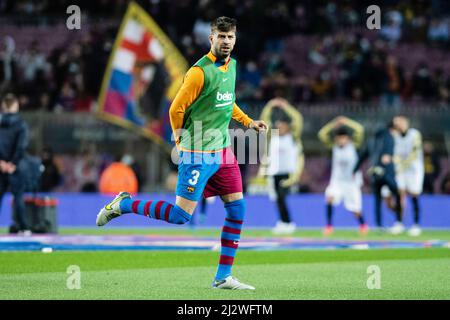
x=336 y=274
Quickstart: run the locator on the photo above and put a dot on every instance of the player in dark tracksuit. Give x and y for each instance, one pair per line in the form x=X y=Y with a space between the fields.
x=380 y=151
x=13 y=142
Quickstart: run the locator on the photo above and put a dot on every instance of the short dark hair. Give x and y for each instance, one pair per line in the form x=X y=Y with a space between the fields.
x=341 y=131
x=223 y=24
x=8 y=100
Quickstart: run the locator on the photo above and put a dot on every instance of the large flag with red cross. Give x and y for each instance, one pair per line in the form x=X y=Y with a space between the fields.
x=144 y=72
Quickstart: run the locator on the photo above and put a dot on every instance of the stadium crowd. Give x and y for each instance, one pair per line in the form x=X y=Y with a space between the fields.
x=313 y=52
x=352 y=65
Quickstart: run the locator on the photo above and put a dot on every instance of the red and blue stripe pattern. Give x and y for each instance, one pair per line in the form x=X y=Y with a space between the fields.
x=159 y=210
x=231 y=234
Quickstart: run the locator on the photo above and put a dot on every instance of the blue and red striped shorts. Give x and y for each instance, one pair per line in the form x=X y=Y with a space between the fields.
x=210 y=174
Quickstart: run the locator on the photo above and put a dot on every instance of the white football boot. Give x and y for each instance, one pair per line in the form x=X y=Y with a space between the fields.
x=111 y=210
x=397 y=228
x=231 y=283
x=415 y=231
x=284 y=228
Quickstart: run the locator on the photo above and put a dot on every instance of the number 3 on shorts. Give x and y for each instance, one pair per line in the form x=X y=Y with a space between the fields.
x=195 y=175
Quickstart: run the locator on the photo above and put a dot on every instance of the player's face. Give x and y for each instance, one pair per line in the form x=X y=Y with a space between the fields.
x=222 y=43
x=342 y=140
x=401 y=124
x=283 y=127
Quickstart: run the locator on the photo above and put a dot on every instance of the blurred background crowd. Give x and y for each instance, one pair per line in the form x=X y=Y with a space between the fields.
x=314 y=53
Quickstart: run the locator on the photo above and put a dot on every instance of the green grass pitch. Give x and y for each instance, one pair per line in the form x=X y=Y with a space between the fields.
x=290 y=274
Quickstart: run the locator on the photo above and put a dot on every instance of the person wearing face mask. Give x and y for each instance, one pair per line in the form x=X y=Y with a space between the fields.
x=343 y=136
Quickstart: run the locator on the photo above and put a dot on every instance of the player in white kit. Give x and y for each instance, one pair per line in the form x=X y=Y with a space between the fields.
x=344 y=136
x=285 y=158
x=410 y=172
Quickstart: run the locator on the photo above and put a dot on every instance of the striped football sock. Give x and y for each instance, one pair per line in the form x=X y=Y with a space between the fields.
x=231 y=234
x=159 y=210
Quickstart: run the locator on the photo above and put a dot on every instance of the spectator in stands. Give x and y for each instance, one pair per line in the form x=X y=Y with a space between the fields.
x=72 y=77
x=44 y=102
x=67 y=98
x=322 y=87
x=392 y=30
x=422 y=82
x=31 y=61
x=24 y=101
x=419 y=29
x=7 y=63
x=438 y=31
x=441 y=82
x=202 y=28
x=251 y=74
x=407 y=91
x=393 y=84
x=316 y=56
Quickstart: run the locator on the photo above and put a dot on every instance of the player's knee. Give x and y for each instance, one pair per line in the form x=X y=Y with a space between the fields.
x=232 y=197
x=236 y=209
